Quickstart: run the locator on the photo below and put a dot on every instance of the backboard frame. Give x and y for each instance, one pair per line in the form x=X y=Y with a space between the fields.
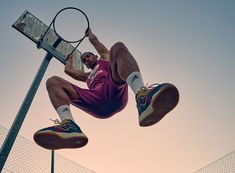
x=34 y=29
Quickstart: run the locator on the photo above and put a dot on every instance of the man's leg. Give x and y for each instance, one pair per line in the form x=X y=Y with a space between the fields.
x=153 y=103
x=125 y=68
x=60 y=93
x=67 y=134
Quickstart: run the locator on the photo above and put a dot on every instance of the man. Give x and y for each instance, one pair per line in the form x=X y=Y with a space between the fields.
x=106 y=95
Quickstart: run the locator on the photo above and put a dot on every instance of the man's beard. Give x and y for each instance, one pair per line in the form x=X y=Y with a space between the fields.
x=93 y=65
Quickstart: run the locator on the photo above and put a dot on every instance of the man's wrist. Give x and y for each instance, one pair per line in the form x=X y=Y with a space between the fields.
x=92 y=37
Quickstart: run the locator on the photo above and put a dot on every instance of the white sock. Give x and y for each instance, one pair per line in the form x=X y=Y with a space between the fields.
x=135 y=81
x=64 y=112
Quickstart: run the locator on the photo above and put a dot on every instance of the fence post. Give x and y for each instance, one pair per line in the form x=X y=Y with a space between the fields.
x=52 y=161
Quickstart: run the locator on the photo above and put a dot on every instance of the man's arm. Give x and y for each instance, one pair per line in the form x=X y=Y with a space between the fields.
x=100 y=48
x=76 y=74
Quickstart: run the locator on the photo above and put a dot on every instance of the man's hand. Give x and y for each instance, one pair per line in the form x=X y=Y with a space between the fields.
x=69 y=57
x=69 y=62
x=88 y=32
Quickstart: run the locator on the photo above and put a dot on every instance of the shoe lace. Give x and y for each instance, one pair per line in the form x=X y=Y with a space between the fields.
x=59 y=123
x=149 y=87
x=144 y=90
x=56 y=121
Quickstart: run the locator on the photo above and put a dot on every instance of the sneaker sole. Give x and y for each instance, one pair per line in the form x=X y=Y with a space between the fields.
x=163 y=102
x=51 y=140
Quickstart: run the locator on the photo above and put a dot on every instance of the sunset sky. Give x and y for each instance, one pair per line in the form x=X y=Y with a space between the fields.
x=188 y=43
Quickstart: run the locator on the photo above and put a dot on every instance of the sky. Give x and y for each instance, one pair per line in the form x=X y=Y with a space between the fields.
x=190 y=44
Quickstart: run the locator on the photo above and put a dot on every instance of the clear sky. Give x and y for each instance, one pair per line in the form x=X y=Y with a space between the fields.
x=188 y=43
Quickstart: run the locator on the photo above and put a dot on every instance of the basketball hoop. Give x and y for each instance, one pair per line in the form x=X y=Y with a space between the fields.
x=53 y=23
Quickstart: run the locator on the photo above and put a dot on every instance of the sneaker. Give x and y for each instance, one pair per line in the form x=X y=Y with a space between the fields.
x=153 y=103
x=66 y=134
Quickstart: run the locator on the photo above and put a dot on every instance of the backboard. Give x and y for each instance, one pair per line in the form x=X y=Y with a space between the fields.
x=34 y=29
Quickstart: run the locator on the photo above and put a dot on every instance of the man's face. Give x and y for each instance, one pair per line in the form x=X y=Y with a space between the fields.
x=89 y=60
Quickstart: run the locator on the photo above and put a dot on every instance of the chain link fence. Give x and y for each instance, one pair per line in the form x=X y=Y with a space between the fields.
x=27 y=157
x=225 y=164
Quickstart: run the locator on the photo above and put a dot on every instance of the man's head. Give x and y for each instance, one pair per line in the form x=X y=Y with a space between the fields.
x=89 y=59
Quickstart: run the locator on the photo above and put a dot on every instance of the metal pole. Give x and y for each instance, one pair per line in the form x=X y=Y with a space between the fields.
x=52 y=161
x=15 y=127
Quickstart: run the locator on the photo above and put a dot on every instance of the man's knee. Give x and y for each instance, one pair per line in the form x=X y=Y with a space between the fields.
x=53 y=81
x=118 y=49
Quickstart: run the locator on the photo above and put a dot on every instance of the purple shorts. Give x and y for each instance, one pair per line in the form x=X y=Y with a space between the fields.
x=104 y=97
